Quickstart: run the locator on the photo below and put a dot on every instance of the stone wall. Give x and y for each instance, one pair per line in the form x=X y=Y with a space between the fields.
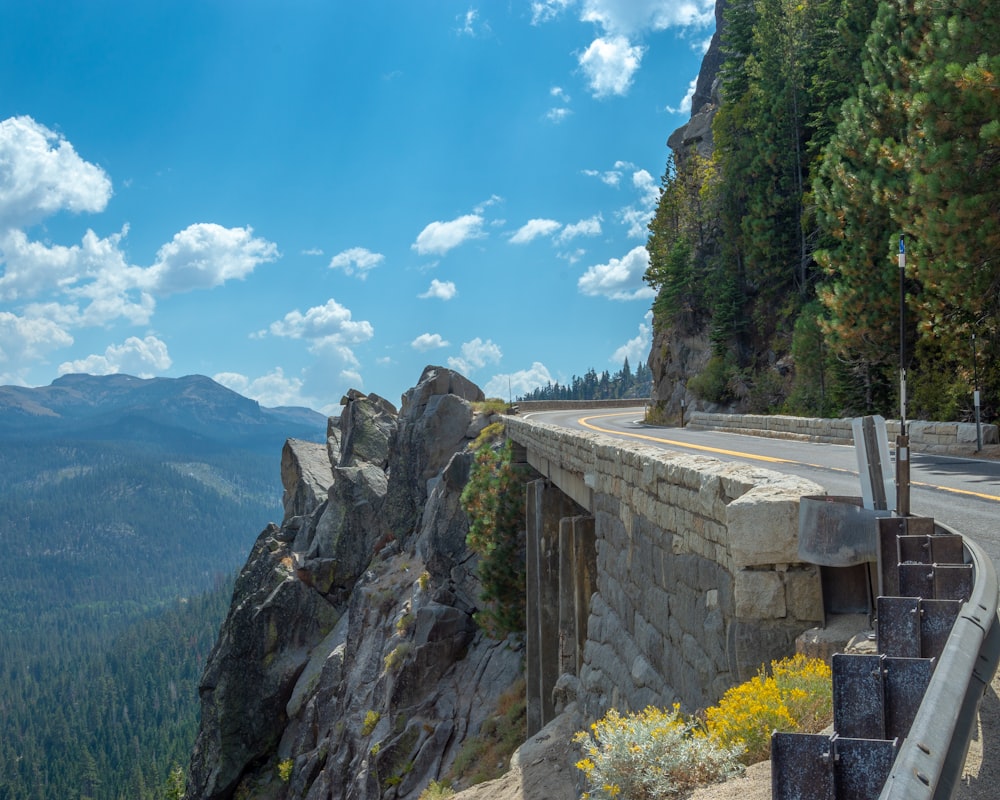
x=697 y=574
x=923 y=435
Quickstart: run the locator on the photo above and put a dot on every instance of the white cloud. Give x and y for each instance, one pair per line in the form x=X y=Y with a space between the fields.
x=270 y=390
x=636 y=217
x=94 y=272
x=572 y=256
x=629 y=17
x=494 y=200
x=205 y=255
x=636 y=349
x=27 y=338
x=534 y=228
x=611 y=177
x=144 y=358
x=313 y=251
x=428 y=341
x=356 y=261
x=440 y=237
x=585 y=227
x=546 y=10
x=610 y=65
x=469 y=24
x=442 y=290
x=619 y=279
x=685 y=106
x=43 y=174
x=475 y=354
x=557 y=115
x=329 y=328
x=515 y=384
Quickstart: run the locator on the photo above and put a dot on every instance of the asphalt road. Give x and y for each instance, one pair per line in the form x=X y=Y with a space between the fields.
x=963 y=493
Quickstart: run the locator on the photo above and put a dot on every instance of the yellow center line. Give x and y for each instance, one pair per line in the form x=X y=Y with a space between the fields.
x=585 y=422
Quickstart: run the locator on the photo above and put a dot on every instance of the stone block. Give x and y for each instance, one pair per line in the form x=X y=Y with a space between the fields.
x=764 y=523
x=804 y=594
x=759 y=594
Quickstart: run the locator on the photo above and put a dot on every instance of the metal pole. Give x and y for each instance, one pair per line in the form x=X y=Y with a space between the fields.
x=902 y=441
x=975 y=395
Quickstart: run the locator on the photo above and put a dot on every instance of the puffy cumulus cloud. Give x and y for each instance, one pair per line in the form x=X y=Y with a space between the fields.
x=534 y=228
x=205 y=255
x=515 y=384
x=86 y=284
x=270 y=390
x=42 y=174
x=637 y=348
x=428 y=341
x=475 y=354
x=440 y=237
x=610 y=65
x=356 y=261
x=144 y=358
x=329 y=329
x=630 y=17
x=27 y=338
x=585 y=227
x=442 y=290
x=619 y=279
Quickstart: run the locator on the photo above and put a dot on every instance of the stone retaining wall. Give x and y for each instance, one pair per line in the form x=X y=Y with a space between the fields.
x=922 y=434
x=698 y=581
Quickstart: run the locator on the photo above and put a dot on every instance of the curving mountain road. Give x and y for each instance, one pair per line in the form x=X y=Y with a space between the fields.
x=963 y=493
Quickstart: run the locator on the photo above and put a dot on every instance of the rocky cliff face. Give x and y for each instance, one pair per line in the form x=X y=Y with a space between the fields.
x=349 y=653
x=677 y=354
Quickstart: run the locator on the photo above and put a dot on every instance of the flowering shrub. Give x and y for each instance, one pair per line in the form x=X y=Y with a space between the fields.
x=652 y=754
x=796 y=696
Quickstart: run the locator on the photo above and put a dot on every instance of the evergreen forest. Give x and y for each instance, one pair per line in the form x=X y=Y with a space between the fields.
x=623 y=384
x=842 y=126
x=119 y=560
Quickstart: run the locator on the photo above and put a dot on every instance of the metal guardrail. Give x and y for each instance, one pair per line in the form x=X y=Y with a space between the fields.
x=903 y=719
x=930 y=760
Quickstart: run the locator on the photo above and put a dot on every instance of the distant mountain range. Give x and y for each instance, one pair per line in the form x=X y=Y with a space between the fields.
x=122 y=502
x=189 y=411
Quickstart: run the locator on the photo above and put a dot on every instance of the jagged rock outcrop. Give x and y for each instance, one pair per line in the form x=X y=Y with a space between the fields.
x=350 y=653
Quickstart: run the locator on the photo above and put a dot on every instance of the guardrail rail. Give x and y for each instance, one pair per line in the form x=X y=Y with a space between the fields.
x=903 y=718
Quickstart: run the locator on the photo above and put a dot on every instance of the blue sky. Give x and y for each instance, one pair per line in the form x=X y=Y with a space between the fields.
x=298 y=198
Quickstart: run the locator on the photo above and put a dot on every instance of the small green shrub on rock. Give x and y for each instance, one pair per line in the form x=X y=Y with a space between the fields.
x=650 y=755
x=493 y=499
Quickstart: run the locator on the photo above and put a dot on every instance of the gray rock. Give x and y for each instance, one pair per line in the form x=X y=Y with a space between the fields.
x=379 y=703
x=306 y=474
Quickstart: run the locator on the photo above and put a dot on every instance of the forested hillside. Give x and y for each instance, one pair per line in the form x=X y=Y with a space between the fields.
x=842 y=125
x=126 y=508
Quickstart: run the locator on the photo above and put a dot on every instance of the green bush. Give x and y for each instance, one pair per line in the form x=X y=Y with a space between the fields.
x=371 y=720
x=715 y=382
x=651 y=755
x=437 y=790
x=493 y=499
